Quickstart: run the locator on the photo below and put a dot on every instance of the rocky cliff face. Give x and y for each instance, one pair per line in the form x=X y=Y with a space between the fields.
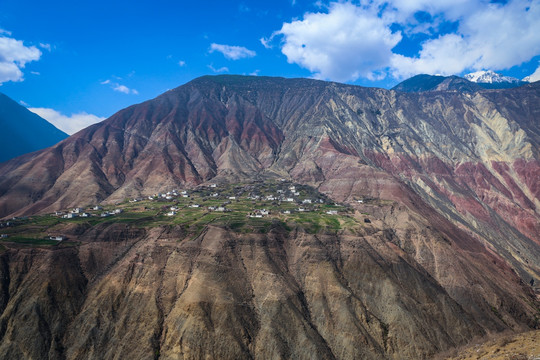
x=133 y=293
x=438 y=265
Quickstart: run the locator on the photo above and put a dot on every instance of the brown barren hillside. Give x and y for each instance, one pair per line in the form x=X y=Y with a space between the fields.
x=442 y=188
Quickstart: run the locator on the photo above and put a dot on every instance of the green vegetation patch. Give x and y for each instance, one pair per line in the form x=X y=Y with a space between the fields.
x=245 y=208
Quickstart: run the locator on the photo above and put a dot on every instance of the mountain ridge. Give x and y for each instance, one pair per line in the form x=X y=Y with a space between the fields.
x=23 y=131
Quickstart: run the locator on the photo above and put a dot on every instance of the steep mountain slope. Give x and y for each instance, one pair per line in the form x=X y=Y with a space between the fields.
x=23 y=131
x=458 y=241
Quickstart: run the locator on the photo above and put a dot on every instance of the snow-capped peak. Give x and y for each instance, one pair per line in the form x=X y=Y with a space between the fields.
x=490 y=77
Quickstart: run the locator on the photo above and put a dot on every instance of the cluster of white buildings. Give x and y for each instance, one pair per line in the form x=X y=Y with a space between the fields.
x=80 y=212
x=259 y=213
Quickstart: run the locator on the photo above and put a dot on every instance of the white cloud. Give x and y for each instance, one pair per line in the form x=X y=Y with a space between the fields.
x=220 y=70
x=181 y=63
x=14 y=56
x=232 y=52
x=491 y=36
x=119 y=87
x=346 y=41
x=69 y=124
x=344 y=44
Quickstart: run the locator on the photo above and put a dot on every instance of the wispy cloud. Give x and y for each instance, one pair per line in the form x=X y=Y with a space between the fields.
x=232 y=52
x=69 y=124
x=14 y=56
x=220 y=70
x=181 y=63
x=119 y=87
x=266 y=42
x=47 y=47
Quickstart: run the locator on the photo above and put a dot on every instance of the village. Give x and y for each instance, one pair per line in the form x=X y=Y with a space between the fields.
x=251 y=207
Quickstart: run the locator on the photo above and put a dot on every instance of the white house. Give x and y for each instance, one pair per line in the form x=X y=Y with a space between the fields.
x=194 y=205
x=70 y=216
x=171 y=213
x=289 y=199
x=57 y=238
x=306 y=201
x=332 y=212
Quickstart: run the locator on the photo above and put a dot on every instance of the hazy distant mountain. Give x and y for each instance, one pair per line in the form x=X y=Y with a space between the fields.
x=423 y=82
x=448 y=171
x=23 y=131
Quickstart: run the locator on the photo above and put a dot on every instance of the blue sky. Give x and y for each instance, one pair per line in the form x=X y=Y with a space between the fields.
x=76 y=62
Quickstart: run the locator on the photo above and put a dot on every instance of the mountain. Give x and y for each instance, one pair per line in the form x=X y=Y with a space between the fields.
x=23 y=131
x=423 y=82
x=490 y=77
x=443 y=184
x=469 y=83
x=492 y=80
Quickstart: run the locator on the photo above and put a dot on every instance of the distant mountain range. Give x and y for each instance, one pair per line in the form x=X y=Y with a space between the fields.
x=468 y=83
x=23 y=131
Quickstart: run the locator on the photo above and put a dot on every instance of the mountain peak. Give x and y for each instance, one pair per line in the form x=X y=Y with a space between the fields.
x=490 y=77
